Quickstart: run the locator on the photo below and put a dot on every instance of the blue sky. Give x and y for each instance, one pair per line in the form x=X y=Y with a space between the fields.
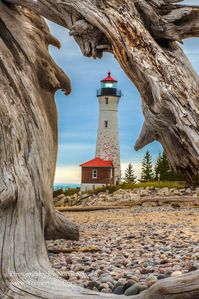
x=78 y=112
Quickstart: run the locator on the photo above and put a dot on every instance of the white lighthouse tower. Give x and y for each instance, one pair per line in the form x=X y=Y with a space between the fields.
x=108 y=146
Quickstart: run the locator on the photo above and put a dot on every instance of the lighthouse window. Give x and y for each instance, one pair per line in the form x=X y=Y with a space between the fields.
x=109 y=85
x=106 y=123
x=94 y=173
x=106 y=101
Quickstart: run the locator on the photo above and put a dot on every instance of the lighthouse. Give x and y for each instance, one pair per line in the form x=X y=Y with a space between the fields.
x=108 y=145
x=105 y=168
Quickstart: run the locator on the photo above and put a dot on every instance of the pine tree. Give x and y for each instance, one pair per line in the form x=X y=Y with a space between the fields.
x=130 y=176
x=165 y=169
x=147 y=168
x=157 y=168
x=176 y=176
x=162 y=167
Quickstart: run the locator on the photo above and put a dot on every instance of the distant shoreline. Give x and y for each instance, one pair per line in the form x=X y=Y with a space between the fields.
x=65 y=186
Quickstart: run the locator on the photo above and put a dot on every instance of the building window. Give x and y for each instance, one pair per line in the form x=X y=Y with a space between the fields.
x=94 y=173
x=106 y=101
x=106 y=123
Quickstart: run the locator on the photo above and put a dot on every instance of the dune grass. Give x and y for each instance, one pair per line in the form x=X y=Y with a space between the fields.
x=124 y=186
x=168 y=184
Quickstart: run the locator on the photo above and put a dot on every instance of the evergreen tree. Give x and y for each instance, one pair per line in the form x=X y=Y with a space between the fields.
x=162 y=167
x=157 y=168
x=176 y=176
x=147 y=168
x=130 y=176
x=165 y=175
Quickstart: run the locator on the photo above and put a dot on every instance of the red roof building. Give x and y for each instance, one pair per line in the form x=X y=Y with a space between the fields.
x=97 y=162
x=96 y=173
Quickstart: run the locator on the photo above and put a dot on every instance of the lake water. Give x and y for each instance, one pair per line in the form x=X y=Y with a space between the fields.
x=65 y=186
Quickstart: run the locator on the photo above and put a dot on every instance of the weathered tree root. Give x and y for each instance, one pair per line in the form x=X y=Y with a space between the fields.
x=142 y=35
x=58 y=227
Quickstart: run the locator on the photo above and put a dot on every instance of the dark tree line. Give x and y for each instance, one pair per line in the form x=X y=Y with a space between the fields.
x=150 y=173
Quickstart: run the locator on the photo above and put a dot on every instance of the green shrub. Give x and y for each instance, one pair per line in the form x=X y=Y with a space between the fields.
x=168 y=184
x=71 y=191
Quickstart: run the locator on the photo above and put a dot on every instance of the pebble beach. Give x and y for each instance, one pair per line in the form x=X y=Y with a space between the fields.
x=129 y=249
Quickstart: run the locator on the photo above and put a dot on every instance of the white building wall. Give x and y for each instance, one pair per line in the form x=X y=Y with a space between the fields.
x=108 y=147
x=90 y=187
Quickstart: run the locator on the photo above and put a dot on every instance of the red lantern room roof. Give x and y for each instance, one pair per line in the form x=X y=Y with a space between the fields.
x=97 y=162
x=109 y=79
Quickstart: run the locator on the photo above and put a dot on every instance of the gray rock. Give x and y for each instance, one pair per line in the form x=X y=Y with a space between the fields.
x=106 y=278
x=118 y=290
x=93 y=284
x=142 y=287
x=118 y=284
x=162 y=276
x=133 y=290
x=59 y=200
x=127 y=285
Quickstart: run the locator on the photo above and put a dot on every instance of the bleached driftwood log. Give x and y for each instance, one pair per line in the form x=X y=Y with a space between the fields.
x=142 y=35
x=28 y=148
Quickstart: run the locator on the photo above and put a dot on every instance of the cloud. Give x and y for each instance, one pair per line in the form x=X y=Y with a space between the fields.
x=68 y=175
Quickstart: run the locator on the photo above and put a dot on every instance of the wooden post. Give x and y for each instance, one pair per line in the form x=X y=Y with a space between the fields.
x=159 y=180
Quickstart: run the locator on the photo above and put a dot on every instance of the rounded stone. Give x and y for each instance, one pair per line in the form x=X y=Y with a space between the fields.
x=133 y=290
x=93 y=284
x=162 y=276
x=117 y=284
x=135 y=278
x=151 y=280
x=127 y=285
x=142 y=287
x=176 y=273
x=118 y=290
x=106 y=278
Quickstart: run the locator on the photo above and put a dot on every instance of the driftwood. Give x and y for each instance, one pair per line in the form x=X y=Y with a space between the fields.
x=143 y=37
x=170 y=199
x=69 y=250
x=91 y=208
x=131 y=203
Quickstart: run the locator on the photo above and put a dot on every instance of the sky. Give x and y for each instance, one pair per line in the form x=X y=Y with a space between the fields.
x=78 y=112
